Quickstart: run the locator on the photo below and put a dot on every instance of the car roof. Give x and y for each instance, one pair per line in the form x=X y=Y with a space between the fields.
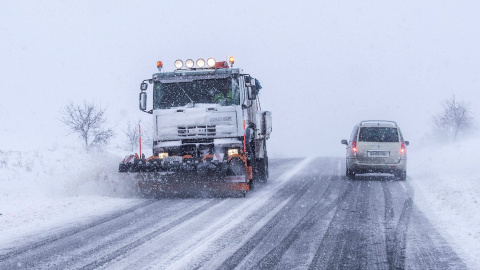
x=383 y=123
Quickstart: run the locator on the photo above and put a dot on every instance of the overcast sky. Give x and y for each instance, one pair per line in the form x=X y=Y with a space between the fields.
x=324 y=65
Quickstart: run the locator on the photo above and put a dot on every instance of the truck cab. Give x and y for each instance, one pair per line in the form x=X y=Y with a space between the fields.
x=204 y=115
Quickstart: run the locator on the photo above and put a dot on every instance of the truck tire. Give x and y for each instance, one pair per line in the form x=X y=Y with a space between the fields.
x=261 y=168
x=350 y=174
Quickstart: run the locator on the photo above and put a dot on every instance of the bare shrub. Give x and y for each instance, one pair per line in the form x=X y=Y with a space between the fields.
x=3 y=159
x=88 y=121
x=147 y=135
x=132 y=134
x=453 y=121
x=131 y=131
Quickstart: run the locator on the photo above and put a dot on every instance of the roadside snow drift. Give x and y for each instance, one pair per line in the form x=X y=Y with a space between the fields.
x=446 y=179
x=44 y=191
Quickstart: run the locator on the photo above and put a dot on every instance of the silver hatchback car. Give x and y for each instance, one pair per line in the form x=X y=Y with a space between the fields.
x=376 y=146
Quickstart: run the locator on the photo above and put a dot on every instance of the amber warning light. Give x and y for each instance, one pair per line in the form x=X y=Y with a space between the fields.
x=159 y=65
x=231 y=59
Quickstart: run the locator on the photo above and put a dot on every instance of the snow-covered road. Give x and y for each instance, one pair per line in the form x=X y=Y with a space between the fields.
x=307 y=216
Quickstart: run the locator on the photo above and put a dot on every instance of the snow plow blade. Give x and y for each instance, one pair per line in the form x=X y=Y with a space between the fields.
x=187 y=177
x=191 y=184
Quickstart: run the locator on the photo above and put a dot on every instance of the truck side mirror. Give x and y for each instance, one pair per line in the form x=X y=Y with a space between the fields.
x=251 y=87
x=407 y=143
x=248 y=80
x=143 y=86
x=143 y=101
x=252 y=92
x=345 y=142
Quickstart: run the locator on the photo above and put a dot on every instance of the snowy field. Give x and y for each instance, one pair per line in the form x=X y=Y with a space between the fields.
x=43 y=192
x=446 y=180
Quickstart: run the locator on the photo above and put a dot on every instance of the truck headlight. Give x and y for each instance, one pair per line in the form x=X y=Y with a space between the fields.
x=233 y=151
x=162 y=155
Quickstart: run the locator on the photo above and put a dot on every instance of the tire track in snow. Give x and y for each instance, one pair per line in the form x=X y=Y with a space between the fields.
x=332 y=244
x=242 y=254
x=321 y=208
x=389 y=224
x=128 y=229
x=199 y=243
x=249 y=236
x=32 y=246
x=140 y=241
x=259 y=235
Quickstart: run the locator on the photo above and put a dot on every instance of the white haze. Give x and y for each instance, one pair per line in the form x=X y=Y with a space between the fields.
x=323 y=65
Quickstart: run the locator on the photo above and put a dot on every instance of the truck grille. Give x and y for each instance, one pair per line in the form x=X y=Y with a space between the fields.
x=197 y=131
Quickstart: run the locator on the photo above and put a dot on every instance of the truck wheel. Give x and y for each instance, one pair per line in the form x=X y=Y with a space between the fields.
x=261 y=168
x=350 y=174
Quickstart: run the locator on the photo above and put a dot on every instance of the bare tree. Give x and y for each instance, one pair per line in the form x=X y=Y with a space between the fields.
x=88 y=121
x=132 y=134
x=455 y=119
x=147 y=135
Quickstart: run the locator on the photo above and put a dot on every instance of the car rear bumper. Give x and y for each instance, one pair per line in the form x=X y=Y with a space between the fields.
x=358 y=167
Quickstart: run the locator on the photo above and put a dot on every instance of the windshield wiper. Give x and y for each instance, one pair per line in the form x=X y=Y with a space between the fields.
x=193 y=103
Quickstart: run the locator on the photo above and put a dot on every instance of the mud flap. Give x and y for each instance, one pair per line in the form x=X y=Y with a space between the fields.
x=237 y=176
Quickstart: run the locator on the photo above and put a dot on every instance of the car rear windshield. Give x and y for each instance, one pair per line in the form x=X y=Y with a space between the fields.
x=378 y=134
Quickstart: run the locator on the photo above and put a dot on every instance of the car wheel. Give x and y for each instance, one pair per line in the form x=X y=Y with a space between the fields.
x=401 y=175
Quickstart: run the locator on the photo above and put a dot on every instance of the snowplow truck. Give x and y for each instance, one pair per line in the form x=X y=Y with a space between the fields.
x=210 y=132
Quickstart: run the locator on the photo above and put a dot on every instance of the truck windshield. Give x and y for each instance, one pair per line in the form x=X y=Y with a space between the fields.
x=224 y=92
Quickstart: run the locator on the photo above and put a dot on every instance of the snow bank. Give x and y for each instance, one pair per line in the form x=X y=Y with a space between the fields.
x=446 y=179
x=60 y=172
x=41 y=191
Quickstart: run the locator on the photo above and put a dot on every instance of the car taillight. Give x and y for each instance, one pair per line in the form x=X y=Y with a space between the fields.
x=402 y=148
x=354 y=146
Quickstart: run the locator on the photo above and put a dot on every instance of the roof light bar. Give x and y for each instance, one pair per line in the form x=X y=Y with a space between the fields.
x=179 y=64
x=200 y=63
x=222 y=64
x=189 y=63
x=211 y=62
